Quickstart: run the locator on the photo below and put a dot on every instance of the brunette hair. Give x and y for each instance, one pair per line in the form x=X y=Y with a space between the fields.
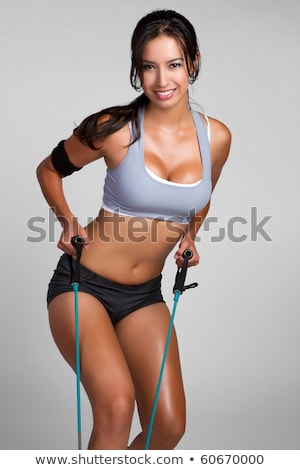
x=158 y=22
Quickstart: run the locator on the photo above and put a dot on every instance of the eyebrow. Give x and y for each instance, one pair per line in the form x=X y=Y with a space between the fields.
x=168 y=62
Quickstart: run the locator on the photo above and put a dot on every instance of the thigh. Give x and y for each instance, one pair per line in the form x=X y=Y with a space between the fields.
x=100 y=352
x=142 y=336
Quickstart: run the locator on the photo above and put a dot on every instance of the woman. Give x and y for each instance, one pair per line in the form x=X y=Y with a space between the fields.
x=161 y=170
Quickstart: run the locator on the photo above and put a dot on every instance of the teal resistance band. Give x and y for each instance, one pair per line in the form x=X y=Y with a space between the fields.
x=77 y=242
x=178 y=288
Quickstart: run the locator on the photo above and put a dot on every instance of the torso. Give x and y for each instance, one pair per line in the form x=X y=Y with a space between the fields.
x=126 y=250
x=129 y=249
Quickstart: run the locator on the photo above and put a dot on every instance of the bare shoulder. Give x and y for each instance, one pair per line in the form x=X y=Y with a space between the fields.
x=220 y=141
x=111 y=147
x=115 y=146
x=81 y=154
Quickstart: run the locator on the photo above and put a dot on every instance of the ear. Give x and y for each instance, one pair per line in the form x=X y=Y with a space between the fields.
x=196 y=61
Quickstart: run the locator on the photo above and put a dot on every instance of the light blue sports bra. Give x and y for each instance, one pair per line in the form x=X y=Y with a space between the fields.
x=133 y=190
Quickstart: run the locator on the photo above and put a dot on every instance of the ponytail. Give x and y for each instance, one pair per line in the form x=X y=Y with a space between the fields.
x=118 y=116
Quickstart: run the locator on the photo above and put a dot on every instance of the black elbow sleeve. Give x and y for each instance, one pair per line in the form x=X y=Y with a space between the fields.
x=61 y=161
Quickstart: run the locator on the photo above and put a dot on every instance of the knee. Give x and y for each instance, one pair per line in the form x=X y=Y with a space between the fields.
x=168 y=431
x=115 y=415
x=120 y=408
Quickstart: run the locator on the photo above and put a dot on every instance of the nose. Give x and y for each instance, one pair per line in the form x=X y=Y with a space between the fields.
x=162 y=77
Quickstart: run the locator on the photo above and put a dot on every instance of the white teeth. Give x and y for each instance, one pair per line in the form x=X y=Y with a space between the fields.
x=164 y=93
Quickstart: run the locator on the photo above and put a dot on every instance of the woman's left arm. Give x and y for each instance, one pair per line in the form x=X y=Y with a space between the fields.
x=219 y=146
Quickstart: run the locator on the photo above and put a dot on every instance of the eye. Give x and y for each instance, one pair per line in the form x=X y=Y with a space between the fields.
x=148 y=66
x=175 y=65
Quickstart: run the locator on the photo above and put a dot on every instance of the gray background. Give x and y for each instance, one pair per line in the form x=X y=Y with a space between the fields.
x=239 y=330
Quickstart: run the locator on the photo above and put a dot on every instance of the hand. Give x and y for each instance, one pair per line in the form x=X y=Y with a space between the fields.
x=187 y=245
x=65 y=244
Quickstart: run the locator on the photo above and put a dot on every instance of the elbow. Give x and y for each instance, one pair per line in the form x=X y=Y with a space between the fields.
x=40 y=171
x=43 y=168
x=37 y=171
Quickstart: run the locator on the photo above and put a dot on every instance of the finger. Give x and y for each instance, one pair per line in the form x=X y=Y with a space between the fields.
x=67 y=248
x=65 y=245
x=86 y=243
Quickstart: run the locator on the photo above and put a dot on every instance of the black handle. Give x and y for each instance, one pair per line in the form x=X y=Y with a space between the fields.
x=181 y=274
x=77 y=241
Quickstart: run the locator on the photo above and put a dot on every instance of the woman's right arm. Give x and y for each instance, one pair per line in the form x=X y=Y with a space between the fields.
x=51 y=184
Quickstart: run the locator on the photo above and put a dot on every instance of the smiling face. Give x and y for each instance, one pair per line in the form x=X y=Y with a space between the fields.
x=165 y=77
x=159 y=28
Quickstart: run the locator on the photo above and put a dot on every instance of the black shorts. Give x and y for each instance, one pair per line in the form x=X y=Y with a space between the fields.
x=118 y=299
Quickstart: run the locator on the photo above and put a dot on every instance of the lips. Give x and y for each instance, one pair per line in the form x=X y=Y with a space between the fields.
x=165 y=94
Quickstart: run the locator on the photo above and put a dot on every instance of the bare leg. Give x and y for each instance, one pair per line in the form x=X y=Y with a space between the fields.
x=142 y=336
x=104 y=372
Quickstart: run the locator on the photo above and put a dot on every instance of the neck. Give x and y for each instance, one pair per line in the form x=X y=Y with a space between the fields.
x=173 y=117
